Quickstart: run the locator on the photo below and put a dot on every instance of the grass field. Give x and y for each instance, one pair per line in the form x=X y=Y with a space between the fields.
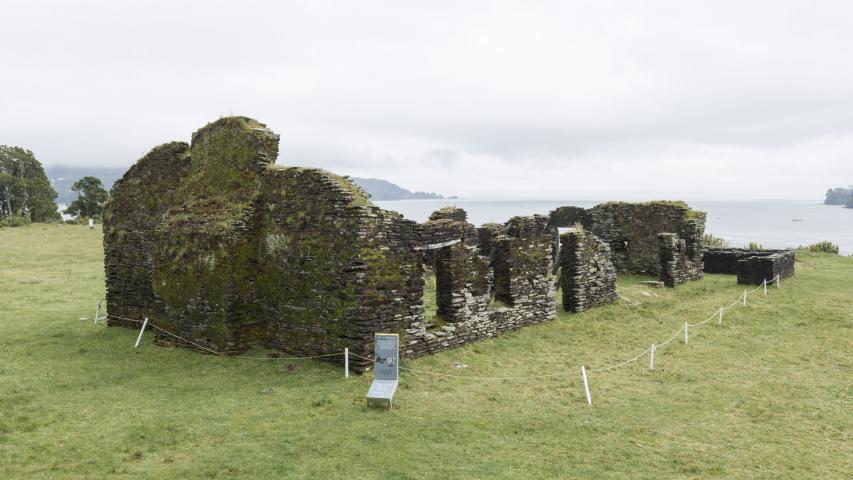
x=765 y=395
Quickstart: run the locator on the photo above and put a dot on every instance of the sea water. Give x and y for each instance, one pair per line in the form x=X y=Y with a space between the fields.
x=771 y=223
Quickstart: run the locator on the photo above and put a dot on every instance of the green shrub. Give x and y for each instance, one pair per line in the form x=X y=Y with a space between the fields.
x=754 y=246
x=713 y=241
x=820 y=247
x=14 y=222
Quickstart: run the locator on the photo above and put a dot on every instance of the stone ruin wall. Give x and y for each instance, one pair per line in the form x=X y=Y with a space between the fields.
x=214 y=242
x=678 y=262
x=512 y=263
x=130 y=230
x=752 y=267
x=632 y=230
x=220 y=246
x=587 y=276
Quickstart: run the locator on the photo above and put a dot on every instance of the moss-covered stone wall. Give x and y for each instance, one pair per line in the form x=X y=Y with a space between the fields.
x=132 y=216
x=233 y=250
x=632 y=229
x=218 y=245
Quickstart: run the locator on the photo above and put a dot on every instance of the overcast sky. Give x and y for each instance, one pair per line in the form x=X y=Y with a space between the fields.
x=551 y=100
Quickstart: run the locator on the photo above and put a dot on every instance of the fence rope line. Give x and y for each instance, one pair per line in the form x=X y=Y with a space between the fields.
x=735 y=303
x=673 y=337
x=597 y=370
x=713 y=315
x=202 y=347
x=468 y=377
x=760 y=286
x=613 y=367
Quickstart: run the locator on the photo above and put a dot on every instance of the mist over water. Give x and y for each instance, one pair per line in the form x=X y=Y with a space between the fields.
x=772 y=223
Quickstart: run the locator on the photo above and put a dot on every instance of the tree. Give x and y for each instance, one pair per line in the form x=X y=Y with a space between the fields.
x=91 y=198
x=24 y=188
x=838 y=196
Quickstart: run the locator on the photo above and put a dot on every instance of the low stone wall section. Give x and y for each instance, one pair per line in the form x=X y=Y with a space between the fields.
x=518 y=271
x=752 y=267
x=587 y=276
x=678 y=264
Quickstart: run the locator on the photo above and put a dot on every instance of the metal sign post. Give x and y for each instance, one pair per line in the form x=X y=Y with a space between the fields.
x=386 y=371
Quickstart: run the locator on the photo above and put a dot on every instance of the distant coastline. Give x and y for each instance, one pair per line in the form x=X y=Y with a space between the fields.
x=840 y=196
x=383 y=190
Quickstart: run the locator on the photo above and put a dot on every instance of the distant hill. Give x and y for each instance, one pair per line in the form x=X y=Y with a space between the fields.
x=62 y=177
x=385 y=190
x=839 y=196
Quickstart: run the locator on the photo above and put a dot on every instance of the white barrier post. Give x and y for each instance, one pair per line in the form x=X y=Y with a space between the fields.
x=720 y=322
x=778 y=280
x=765 y=287
x=141 y=331
x=97 y=311
x=585 y=385
x=745 y=293
x=346 y=362
x=686 y=325
x=652 y=358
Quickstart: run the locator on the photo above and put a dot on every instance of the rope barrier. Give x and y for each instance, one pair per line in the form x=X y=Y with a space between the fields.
x=220 y=353
x=595 y=370
x=673 y=337
x=474 y=377
x=713 y=315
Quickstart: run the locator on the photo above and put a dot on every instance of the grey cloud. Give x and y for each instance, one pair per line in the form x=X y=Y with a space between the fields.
x=517 y=94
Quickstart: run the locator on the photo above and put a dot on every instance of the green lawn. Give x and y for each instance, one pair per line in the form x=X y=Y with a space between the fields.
x=765 y=395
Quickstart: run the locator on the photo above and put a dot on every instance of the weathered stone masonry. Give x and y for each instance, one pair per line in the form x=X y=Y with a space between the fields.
x=588 y=277
x=214 y=242
x=632 y=231
x=514 y=260
x=750 y=266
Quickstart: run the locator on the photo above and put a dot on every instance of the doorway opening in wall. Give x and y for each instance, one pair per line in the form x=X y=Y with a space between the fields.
x=432 y=319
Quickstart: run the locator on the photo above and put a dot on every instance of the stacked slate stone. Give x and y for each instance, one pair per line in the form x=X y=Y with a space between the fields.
x=444 y=224
x=462 y=275
x=752 y=267
x=136 y=207
x=521 y=250
x=246 y=252
x=677 y=262
x=632 y=231
x=449 y=213
x=215 y=243
x=587 y=276
x=569 y=216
